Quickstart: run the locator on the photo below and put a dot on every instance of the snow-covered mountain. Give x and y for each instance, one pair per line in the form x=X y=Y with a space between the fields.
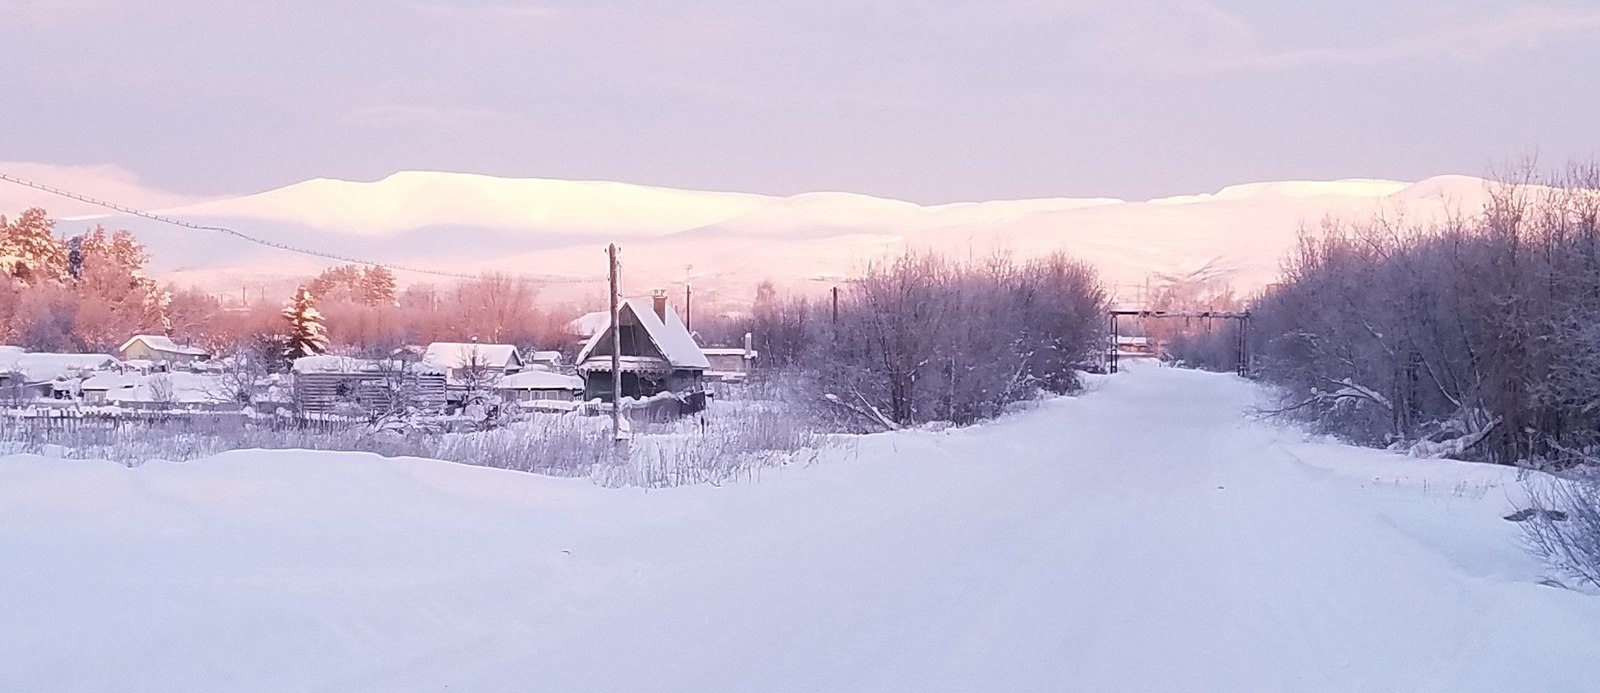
x=555 y=229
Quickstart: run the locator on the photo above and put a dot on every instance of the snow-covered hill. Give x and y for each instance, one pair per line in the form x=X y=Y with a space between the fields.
x=473 y=223
x=1201 y=551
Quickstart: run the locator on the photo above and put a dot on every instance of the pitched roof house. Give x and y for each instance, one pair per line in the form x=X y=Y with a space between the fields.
x=657 y=354
x=454 y=357
x=159 y=349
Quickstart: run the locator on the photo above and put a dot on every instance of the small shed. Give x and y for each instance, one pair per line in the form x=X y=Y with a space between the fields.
x=730 y=364
x=456 y=358
x=96 y=389
x=538 y=384
x=160 y=349
x=339 y=384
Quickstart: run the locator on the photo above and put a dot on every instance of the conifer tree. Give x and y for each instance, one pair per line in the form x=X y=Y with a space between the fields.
x=307 y=336
x=377 y=286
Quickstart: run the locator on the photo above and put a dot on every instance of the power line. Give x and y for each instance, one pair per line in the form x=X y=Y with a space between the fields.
x=264 y=242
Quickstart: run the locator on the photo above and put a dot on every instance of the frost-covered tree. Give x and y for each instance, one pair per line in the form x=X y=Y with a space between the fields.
x=29 y=249
x=1471 y=338
x=306 y=334
x=116 y=298
x=378 y=286
x=921 y=338
x=337 y=284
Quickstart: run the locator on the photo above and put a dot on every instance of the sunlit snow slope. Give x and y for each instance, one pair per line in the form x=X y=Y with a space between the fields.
x=1148 y=536
x=471 y=223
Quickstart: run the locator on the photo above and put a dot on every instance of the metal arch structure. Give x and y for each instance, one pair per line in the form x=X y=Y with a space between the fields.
x=1242 y=317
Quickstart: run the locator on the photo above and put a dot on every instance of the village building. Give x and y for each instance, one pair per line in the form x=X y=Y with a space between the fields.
x=549 y=360
x=48 y=376
x=538 y=385
x=161 y=350
x=584 y=327
x=459 y=360
x=658 y=355
x=157 y=391
x=94 y=389
x=347 y=385
x=730 y=364
x=470 y=367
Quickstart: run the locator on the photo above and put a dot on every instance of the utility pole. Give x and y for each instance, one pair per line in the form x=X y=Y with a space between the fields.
x=835 y=293
x=616 y=352
x=1114 y=344
x=688 y=300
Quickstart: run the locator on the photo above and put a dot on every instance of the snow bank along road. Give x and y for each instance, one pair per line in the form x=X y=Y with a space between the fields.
x=1147 y=536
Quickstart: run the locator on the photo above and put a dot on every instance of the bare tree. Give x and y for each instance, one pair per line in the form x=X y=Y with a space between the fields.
x=921 y=338
x=162 y=390
x=1562 y=525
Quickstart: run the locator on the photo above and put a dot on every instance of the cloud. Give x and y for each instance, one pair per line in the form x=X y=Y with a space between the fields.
x=103 y=181
x=435 y=117
x=1190 y=36
x=1524 y=28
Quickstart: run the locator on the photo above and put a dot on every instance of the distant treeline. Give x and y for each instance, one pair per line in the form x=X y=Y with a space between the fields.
x=89 y=292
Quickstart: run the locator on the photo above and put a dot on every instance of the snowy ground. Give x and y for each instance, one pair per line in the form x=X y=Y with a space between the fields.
x=1147 y=536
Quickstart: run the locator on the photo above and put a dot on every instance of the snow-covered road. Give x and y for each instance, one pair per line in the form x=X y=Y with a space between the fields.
x=1148 y=536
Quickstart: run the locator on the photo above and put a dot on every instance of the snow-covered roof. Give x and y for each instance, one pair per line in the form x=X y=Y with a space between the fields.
x=546 y=356
x=109 y=381
x=182 y=387
x=162 y=343
x=328 y=363
x=590 y=324
x=463 y=354
x=43 y=367
x=671 y=338
x=539 y=380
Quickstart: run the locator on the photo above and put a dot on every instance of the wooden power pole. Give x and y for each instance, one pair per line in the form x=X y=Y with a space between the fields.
x=616 y=350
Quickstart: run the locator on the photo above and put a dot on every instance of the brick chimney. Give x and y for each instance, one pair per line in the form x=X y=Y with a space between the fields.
x=660 y=300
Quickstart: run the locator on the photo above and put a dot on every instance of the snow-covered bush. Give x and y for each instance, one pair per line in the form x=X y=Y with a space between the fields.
x=1562 y=525
x=1473 y=338
x=920 y=338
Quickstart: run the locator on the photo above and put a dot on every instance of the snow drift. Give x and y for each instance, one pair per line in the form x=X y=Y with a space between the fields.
x=1198 y=550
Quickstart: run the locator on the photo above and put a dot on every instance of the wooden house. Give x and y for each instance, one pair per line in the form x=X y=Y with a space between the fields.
x=160 y=349
x=658 y=355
